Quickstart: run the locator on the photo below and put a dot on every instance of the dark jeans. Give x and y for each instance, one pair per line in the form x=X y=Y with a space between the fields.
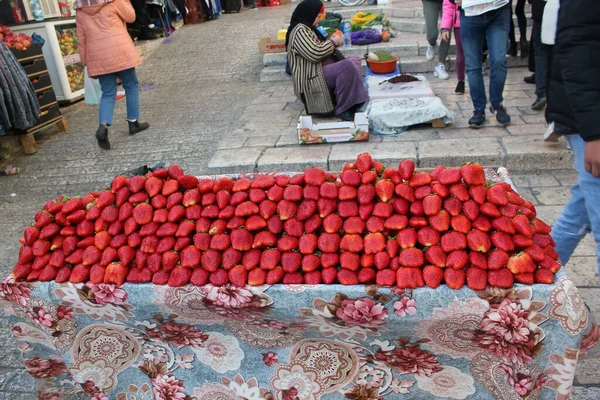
x=541 y=60
x=492 y=26
x=521 y=20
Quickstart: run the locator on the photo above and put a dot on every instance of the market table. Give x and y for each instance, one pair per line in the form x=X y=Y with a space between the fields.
x=300 y=342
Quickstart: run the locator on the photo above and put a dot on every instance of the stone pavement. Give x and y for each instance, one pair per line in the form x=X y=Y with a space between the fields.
x=209 y=106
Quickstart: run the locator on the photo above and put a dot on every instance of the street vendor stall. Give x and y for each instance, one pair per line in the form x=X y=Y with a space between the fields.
x=214 y=324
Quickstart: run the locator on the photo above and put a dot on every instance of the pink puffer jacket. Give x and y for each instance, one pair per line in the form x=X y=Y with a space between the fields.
x=450 y=16
x=104 y=43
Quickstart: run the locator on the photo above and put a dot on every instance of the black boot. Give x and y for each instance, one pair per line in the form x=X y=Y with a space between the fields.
x=524 y=44
x=137 y=126
x=102 y=137
x=512 y=50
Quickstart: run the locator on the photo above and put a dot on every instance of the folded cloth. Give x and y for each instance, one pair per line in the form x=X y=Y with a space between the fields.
x=478 y=7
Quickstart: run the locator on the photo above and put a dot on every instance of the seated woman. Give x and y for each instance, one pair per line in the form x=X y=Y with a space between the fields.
x=316 y=73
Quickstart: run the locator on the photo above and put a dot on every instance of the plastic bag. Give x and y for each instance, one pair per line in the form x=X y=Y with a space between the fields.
x=93 y=91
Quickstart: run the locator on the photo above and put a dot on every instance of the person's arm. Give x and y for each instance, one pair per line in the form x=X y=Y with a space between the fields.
x=80 y=39
x=578 y=51
x=125 y=10
x=308 y=46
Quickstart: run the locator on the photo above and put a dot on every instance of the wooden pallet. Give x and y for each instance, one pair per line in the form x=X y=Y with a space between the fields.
x=28 y=139
x=437 y=123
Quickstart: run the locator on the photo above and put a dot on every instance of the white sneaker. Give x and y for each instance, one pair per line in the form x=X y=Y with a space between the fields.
x=430 y=53
x=550 y=135
x=440 y=72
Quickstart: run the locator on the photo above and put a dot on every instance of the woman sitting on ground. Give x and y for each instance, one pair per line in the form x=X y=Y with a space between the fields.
x=316 y=73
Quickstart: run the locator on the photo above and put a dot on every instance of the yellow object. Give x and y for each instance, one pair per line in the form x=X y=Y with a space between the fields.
x=362 y=18
x=281 y=34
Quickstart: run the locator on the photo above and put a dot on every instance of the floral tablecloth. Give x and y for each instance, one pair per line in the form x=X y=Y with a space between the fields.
x=299 y=342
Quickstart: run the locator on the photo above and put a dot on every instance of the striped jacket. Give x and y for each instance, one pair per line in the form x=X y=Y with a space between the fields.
x=305 y=55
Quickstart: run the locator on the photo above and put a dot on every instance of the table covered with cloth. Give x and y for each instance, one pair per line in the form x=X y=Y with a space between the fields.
x=291 y=342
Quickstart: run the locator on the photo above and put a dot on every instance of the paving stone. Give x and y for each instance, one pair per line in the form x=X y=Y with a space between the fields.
x=534 y=178
x=591 y=296
x=585 y=393
x=549 y=214
x=583 y=271
x=287 y=140
x=292 y=159
x=236 y=160
x=552 y=195
x=529 y=129
x=566 y=177
x=389 y=153
x=535 y=119
x=525 y=152
x=527 y=194
x=472 y=133
x=411 y=135
x=587 y=246
x=261 y=141
x=455 y=152
x=231 y=143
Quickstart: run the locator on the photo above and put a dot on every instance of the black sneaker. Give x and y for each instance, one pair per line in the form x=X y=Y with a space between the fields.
x=137 y=126
x=530 y=79
x=477 y=119
x=102 y=137
x=460 y=87
x=501 y=115
x=539 y=103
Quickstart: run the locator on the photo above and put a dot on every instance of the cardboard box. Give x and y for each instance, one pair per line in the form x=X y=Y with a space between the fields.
x=268 y=45
x=333 y=132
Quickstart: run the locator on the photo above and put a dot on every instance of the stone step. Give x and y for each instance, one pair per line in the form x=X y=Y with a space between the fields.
x=413 y=65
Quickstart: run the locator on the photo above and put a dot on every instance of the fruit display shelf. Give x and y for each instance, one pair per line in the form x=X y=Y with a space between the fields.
x=395 y=331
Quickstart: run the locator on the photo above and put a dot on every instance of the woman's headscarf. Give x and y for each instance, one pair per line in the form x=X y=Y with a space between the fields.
x=305 y=13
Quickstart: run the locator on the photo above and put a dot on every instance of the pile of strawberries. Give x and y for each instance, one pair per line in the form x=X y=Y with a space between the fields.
x=392 y=227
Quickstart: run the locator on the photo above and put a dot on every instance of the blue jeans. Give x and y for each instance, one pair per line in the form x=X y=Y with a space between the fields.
x=108 y=83
x=581 y=215
x=492 y=26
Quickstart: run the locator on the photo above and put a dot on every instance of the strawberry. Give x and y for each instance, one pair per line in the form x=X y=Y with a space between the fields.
x=292 y=193
x=190 y=257
x=231 y=258
x=478 y=241
x=71 y=230
x=175 y=171
x=521 y=225
x=91 y=255
x=275 y=276
x=179 y=276
x=471 y=210
x=428 y=236
x=420 y=179
x=433 y=276
x=158 y=202
x=106 y=198
x=477 y=279
x=497 y=259
x=326 y=207
x=63 y=275
x=382 y=260
x=86 y=242
x=502 y=241
x=478 y=260
x=270 y=259
x=286 y=209
x=457 y=259
x=440 y=222
x=125 y=211
x=521 y=263
x=153 y=186
x=256 y=223
x=75 y=217
x=384 y=189
x=102 y=240
x=366 y=194
x=350 y=261
x=473 y=174
x=306 y=209
x=452 y=241
x=206 y=185
x=328 y=190
x=34 y=275
x=374 y=242
x=275 y=193
x=383 y=210
x=115 y=273
x=312 y=278
x=409 y=278
x=411 y=258
x=395 y=222
x=536 y=253
x=544 y=276
x=543 y=240
x=169 y=187
x=453 y=206
x=454 y=278
x=238 y=276
x=406 y=168
x=148 y=245
x=140 y=197
x=57 y=258
x=264 y=239
x=293 y=279
x=550 y=264
x=522 y=241
x=80 y=273
x=57 y=243
x=116 y=228
x=510 y=211
x=238 y=198
x=482 y=224
x=160 y=173
x=369 y=177
x=460 y=191
x=550 y=252
x=49 y=231
x=526 y=278
x=160 y=277
x=329 y=260
x=44 y=219
x=347 y=277
x=422 y=192
x=501 y=278
x=267 y=209
x=363 y=162
x=139 y=275
x=188 y=182
x=208 y=199
x=351 y=178
x=314 y=176
x=365 y=211
x=392 y=247
x=368 y=260
x=407 y=238
x=256 y=277
x=69 y=246
x=332 y=223
x=307 y=244
x=347 y=209
x=96 y=274
x=31 y=234
x=41 y=262
x=405 y=192
x=460 y=223
x=245 y=209
x=497 y=195
x=293 y=227
x=167 y=229
x=538 y=226
x=142 y=213
x=211 y=260
x=310 y=263
x=385 y=277
x=312 y=224
x=449 y=176
x=432 y=204
x=490 y=210
x=368 y=275
x=441 y=190
x=311 y=192
x=220 y=242
x=263 y=182
x=275 y=225
x=72 y=205
x=347 y=193
x=118 y=182
x=192 y=197
x=503 y=224
x=136 y=183
x=353 y=243
x=416 y=208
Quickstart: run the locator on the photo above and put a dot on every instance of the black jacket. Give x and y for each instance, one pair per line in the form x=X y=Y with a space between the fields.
x=574 y=88
x=537 y=9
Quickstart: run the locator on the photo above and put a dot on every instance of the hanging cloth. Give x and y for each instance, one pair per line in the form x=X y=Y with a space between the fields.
x=20 y=103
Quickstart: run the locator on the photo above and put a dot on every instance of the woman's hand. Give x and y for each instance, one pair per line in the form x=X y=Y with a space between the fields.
x=337 y=40
x=446 y=36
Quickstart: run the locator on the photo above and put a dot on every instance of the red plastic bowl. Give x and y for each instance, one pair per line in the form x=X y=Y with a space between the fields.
x=382 y=67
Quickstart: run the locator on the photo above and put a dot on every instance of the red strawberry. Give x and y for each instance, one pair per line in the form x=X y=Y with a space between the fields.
x=44 y=219
x=540 y=227
x=263 y=182
x=140 y=197
x=536 y=253
x=350 y=261
x=490 y=210
x=75 y=217
x=422 y=192
x=96 y=274
x=314 y=176
x=192 y=197
x=167 y=229
x=460 y=223
x=328 y=190
x=452 y=241
x=153 y=186
x=310 y=263
x=365 y=211
x=312 y=224
x=405 y=191
x=136 y=183
x=471 y=210
x=433 y=276
x=306 y=209
x=432 y=204
x=392 y=247
x=220 y=242
x=473 y=174
x=69 y=246
x=449 y=176
x=501 y=278
x=148 y=245
x=420 y=179
x=396 y=222
x=238 y=198
x=497 y=195
x=31 y=234
x=286 y=209
x=521 y=224
x=267 y=209
x=384 y=190
x=63 y=275
x=382 y=260
x=416 y=208
x=409 y=278
x=119 y=182
x=115 y=273
x=71 y=230
x=477 y=279
x=385 y=277
x=293 y=279
x=454 y=278
x=478 y=241
x=329 y=260
x=440 y=222
x=457 y=259
x=245 y=209
x=503 y=224
x=550 y=252
x=544 y=276
x=169 y=187
x=351 y=178
x=543 y=240
x=347 y=209
x=207 y=199
x=326 y=207
x=352 y=243
x=275 y=193
x=478 y=260
x=49 y=231
x=347 y=193
x=522 y=241
x=270 y=259
x=238 y=276
x=332 y=223
x=142 y=213
x=139 y=275
x=369 y=177
x=180 y=276
x=368 y=275
x=86 y=242
x=188 y=182
x=482 y=224
x=383 y=210
x=368 y=260
x=407 y=238
x=190 y=257
x=102 y=240
x=211 y=260
x=158 y=202
x=256 y=223
x=502 y=241
x=293 y=227
x=72 y=205
x=166 y=244
x=510 y=211
x=521 y=263
x=264 y=239
x=57 y=258
x=57 y=243
x=175 y=171
x=497 y=259
x=41 y=262
x=275 y=276
x=406 y=168
x=526 y=278
x=116 y=228
x=311 y=193
x=307 y=243
x=91 y=255
x=275 y=225
x=292 y=193
x=428 y=237
x=460 y=191
x=363 y=162
x=206 y=185
x=411 y=258
x=374 y=242
x=256 y=277
x=441 y=190
x=347 y=277
x=453 y=206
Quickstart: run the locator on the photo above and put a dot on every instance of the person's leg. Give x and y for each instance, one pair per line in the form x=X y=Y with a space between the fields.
x=108 y=83
x=511 y=33
x=431 y=10
x=444 y=48
x=344 y=79
x=581 y=214
x=521 y=19
x=132 y=94
x=472 y=32
x=497 y=38
x=541 y=60
x=460 y=55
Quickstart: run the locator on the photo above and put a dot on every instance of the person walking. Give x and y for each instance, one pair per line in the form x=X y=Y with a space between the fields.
x=108 y=52
x=540 y=55
x=522 y=22
x=573 y=106
x=432 y=9
x=450 y=21
x=478 y=22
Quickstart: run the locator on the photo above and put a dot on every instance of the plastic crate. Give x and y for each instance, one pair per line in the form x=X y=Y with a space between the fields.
x=46 y=98
x=34 y=68
x=41 y=82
